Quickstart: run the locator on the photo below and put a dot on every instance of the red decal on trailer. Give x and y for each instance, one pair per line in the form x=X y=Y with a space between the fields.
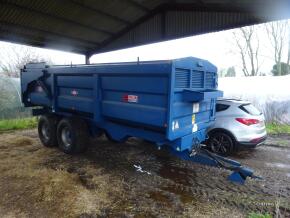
x=74 y=92
x=130 y=98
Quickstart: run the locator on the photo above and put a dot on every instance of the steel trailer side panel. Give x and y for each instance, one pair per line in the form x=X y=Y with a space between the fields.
x=135 y=98
x=175 y=99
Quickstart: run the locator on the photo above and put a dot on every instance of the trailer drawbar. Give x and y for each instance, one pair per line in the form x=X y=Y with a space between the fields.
x=170 y=103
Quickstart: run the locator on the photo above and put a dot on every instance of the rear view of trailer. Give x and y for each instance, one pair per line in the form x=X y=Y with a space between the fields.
x=166 y=102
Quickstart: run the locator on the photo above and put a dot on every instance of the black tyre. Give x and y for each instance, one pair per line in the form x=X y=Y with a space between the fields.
x=72 y=135
x=221 y=143
x=47 y=125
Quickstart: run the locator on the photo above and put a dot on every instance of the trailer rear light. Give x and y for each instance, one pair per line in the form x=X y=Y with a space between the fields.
x=247 y=122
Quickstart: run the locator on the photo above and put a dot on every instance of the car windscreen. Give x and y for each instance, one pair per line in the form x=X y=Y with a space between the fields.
x=250 y=109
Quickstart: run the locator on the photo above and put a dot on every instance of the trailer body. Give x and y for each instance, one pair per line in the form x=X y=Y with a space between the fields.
x=166 y=102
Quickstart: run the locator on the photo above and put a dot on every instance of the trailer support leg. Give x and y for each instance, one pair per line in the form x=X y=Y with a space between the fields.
x=202 y=156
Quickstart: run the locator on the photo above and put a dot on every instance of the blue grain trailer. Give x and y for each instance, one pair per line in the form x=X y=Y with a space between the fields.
x=170 y=103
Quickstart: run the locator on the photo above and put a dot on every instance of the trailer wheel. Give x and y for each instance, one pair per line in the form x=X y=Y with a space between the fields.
x=47 y=125
x=72 y=135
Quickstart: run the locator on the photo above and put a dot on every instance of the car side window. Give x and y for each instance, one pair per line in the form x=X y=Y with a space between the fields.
x=221 y=107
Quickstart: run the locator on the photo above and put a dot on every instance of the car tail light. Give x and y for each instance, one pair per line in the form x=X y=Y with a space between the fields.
x=247 y=121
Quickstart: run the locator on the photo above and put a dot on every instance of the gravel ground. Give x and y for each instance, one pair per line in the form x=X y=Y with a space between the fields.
x=133 y=179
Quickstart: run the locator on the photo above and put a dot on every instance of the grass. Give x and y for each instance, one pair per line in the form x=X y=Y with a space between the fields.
x=15 y=124
x=28 y=123
x=274 y=128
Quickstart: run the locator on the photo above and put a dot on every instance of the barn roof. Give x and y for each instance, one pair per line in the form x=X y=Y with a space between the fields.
x=94 y=26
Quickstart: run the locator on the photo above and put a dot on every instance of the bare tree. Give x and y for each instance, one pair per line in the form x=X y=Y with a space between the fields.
x=7 y=94
x=288 y=56
x=14 y=57
x=277 y=34
x=248 y=46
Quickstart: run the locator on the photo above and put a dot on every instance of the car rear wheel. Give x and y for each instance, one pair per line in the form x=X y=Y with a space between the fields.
x=221 y=143
x=47 y=125
x=72 y=135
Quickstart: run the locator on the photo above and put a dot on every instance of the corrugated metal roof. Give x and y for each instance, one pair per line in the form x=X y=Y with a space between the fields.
x=92 y=26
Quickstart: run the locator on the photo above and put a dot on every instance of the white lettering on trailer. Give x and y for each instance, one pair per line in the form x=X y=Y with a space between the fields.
x=194 y=128
x=195 y=108
x=175 y=125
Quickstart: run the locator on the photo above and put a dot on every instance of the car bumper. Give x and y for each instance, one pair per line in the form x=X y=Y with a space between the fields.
x=253 y=143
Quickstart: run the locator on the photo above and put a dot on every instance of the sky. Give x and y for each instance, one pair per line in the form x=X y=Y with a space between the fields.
x=218 y=48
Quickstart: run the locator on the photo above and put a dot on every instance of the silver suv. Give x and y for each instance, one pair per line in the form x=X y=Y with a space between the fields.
x=238 y=124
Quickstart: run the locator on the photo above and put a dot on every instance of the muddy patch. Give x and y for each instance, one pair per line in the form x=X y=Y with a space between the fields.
x=177 y=174
x=184 y=196
x=36 y=181
x=16 y=141
x=161 y=197
x=278 y=165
